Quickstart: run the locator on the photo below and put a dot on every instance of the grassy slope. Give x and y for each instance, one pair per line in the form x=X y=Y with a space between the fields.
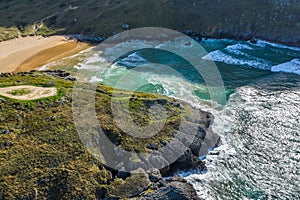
x=274 y=20
x=42 y=155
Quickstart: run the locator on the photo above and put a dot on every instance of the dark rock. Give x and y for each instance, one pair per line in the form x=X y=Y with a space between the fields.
x=214 y=153
x=198 y=38
x=125 y=26
x=187 y=32
x=195 y=146
x=164 y=143
x=43 y=181
x=50 y=119
x=5 y=131
x=8 y=144
x=123 y=174
x=152 y=146
x=253 y=40
x=57 y=73
x=16 y=104
x=173 y=189
x=154 y=175
x=132 y=186
x=101 y=192
x=70 y=78
x=162 y=101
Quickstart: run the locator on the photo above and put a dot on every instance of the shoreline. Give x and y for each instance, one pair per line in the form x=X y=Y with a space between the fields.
x=30 y=53
x=196 y=36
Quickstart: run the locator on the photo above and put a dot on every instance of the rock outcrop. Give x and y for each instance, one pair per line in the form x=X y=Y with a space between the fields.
x=63 y=164
x=141 y=185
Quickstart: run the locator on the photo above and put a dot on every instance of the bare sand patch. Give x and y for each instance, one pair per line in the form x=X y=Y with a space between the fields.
x=27 y=53
x=28 y=92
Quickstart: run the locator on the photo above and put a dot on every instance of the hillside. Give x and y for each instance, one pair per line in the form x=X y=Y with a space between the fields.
x=238 y=19
x=42 y=156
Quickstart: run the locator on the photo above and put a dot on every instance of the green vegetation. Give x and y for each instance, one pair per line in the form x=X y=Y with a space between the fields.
x=273 y=20
x=36 y=29
x=20 y=92
x=28 y=30
x=135 y=184
x=41 y=155
x=8 y=33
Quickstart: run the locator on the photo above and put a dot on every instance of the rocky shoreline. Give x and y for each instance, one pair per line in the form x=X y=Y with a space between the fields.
x=114 y=184
x=152 y=185
x=199 y=36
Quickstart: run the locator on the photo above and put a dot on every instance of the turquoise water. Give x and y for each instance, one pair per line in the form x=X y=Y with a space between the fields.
x=259 y=124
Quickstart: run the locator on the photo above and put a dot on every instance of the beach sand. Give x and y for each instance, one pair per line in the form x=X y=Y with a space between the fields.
x=28 y=53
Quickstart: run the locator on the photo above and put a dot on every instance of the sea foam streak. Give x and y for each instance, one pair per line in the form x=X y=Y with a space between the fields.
x=219 y=56
x=236 y=49
x=263 y=43
x=290 y=67
x=132 y=60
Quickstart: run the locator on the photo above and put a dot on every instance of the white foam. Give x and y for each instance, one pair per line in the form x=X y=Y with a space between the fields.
x=94 y=62
x=180 y=88
x=176 y=87
x=129 y=46
x=236 y=49
x=95 y=79
x=80 y=56
x=263 y=43
x=132 y=60
x=94 y=59
x=87 y=67
x=219 y=56
x=239 y=47
x=180 y=43
x=290 y=67
x=212 y=40
x=44 y=67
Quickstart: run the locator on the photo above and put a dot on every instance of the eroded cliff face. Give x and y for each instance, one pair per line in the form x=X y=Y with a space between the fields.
x=277 y=20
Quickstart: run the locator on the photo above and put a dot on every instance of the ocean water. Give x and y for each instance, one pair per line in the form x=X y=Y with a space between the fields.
x=259 y=123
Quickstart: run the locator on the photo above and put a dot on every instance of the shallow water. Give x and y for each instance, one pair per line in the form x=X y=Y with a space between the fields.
x=259 y=125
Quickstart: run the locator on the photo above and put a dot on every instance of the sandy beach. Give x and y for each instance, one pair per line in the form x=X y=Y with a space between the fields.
x=27 y=53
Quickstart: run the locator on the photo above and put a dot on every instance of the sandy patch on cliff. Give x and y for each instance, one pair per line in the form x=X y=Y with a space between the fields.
x=27 y=92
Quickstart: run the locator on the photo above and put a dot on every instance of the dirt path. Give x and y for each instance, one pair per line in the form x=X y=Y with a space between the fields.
x=27 y=92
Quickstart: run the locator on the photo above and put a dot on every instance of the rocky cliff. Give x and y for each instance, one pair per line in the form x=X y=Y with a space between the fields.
x=274 y=20
x=42 y=155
